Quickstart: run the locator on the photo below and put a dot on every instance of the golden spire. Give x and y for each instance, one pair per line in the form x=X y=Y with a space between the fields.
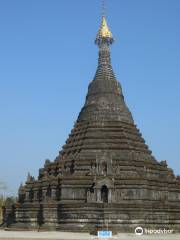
x=104 y=33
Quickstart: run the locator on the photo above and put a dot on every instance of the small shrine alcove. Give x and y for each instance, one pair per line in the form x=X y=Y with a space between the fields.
x=104 y=193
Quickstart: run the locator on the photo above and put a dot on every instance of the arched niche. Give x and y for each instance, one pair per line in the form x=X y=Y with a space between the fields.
x=104 y=194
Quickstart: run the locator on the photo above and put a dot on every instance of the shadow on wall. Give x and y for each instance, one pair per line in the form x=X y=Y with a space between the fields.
x=40 y=217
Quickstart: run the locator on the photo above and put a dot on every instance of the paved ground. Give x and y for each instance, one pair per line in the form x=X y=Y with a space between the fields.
x=30 y=235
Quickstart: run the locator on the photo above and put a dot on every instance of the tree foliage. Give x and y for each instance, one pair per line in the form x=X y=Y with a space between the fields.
x=4 y=200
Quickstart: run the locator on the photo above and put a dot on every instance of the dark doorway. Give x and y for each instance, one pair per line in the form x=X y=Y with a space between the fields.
x=104 y=193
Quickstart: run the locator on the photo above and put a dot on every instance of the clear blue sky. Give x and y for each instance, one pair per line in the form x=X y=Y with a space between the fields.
x=47 y=59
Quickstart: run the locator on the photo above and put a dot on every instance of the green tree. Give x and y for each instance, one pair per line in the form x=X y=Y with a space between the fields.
x=2 y=202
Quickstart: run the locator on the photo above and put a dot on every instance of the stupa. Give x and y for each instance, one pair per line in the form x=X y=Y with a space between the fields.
x=105 y=175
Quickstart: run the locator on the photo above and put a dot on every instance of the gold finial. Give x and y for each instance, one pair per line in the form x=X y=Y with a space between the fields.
x=104 y=31
x=104 y=34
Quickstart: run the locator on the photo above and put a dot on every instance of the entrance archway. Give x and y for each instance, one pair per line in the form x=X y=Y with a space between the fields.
x=104 y=193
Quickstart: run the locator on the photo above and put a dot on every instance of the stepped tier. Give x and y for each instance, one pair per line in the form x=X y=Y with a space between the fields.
x=105 y=172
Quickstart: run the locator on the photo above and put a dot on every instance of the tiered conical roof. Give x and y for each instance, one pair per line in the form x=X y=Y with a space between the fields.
x=105 y=99
x=104 y=114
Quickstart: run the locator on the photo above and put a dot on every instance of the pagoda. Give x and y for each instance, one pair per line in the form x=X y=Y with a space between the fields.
x=105 y=175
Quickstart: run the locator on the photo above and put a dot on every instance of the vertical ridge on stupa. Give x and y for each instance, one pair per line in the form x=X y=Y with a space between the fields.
x=105 y=172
